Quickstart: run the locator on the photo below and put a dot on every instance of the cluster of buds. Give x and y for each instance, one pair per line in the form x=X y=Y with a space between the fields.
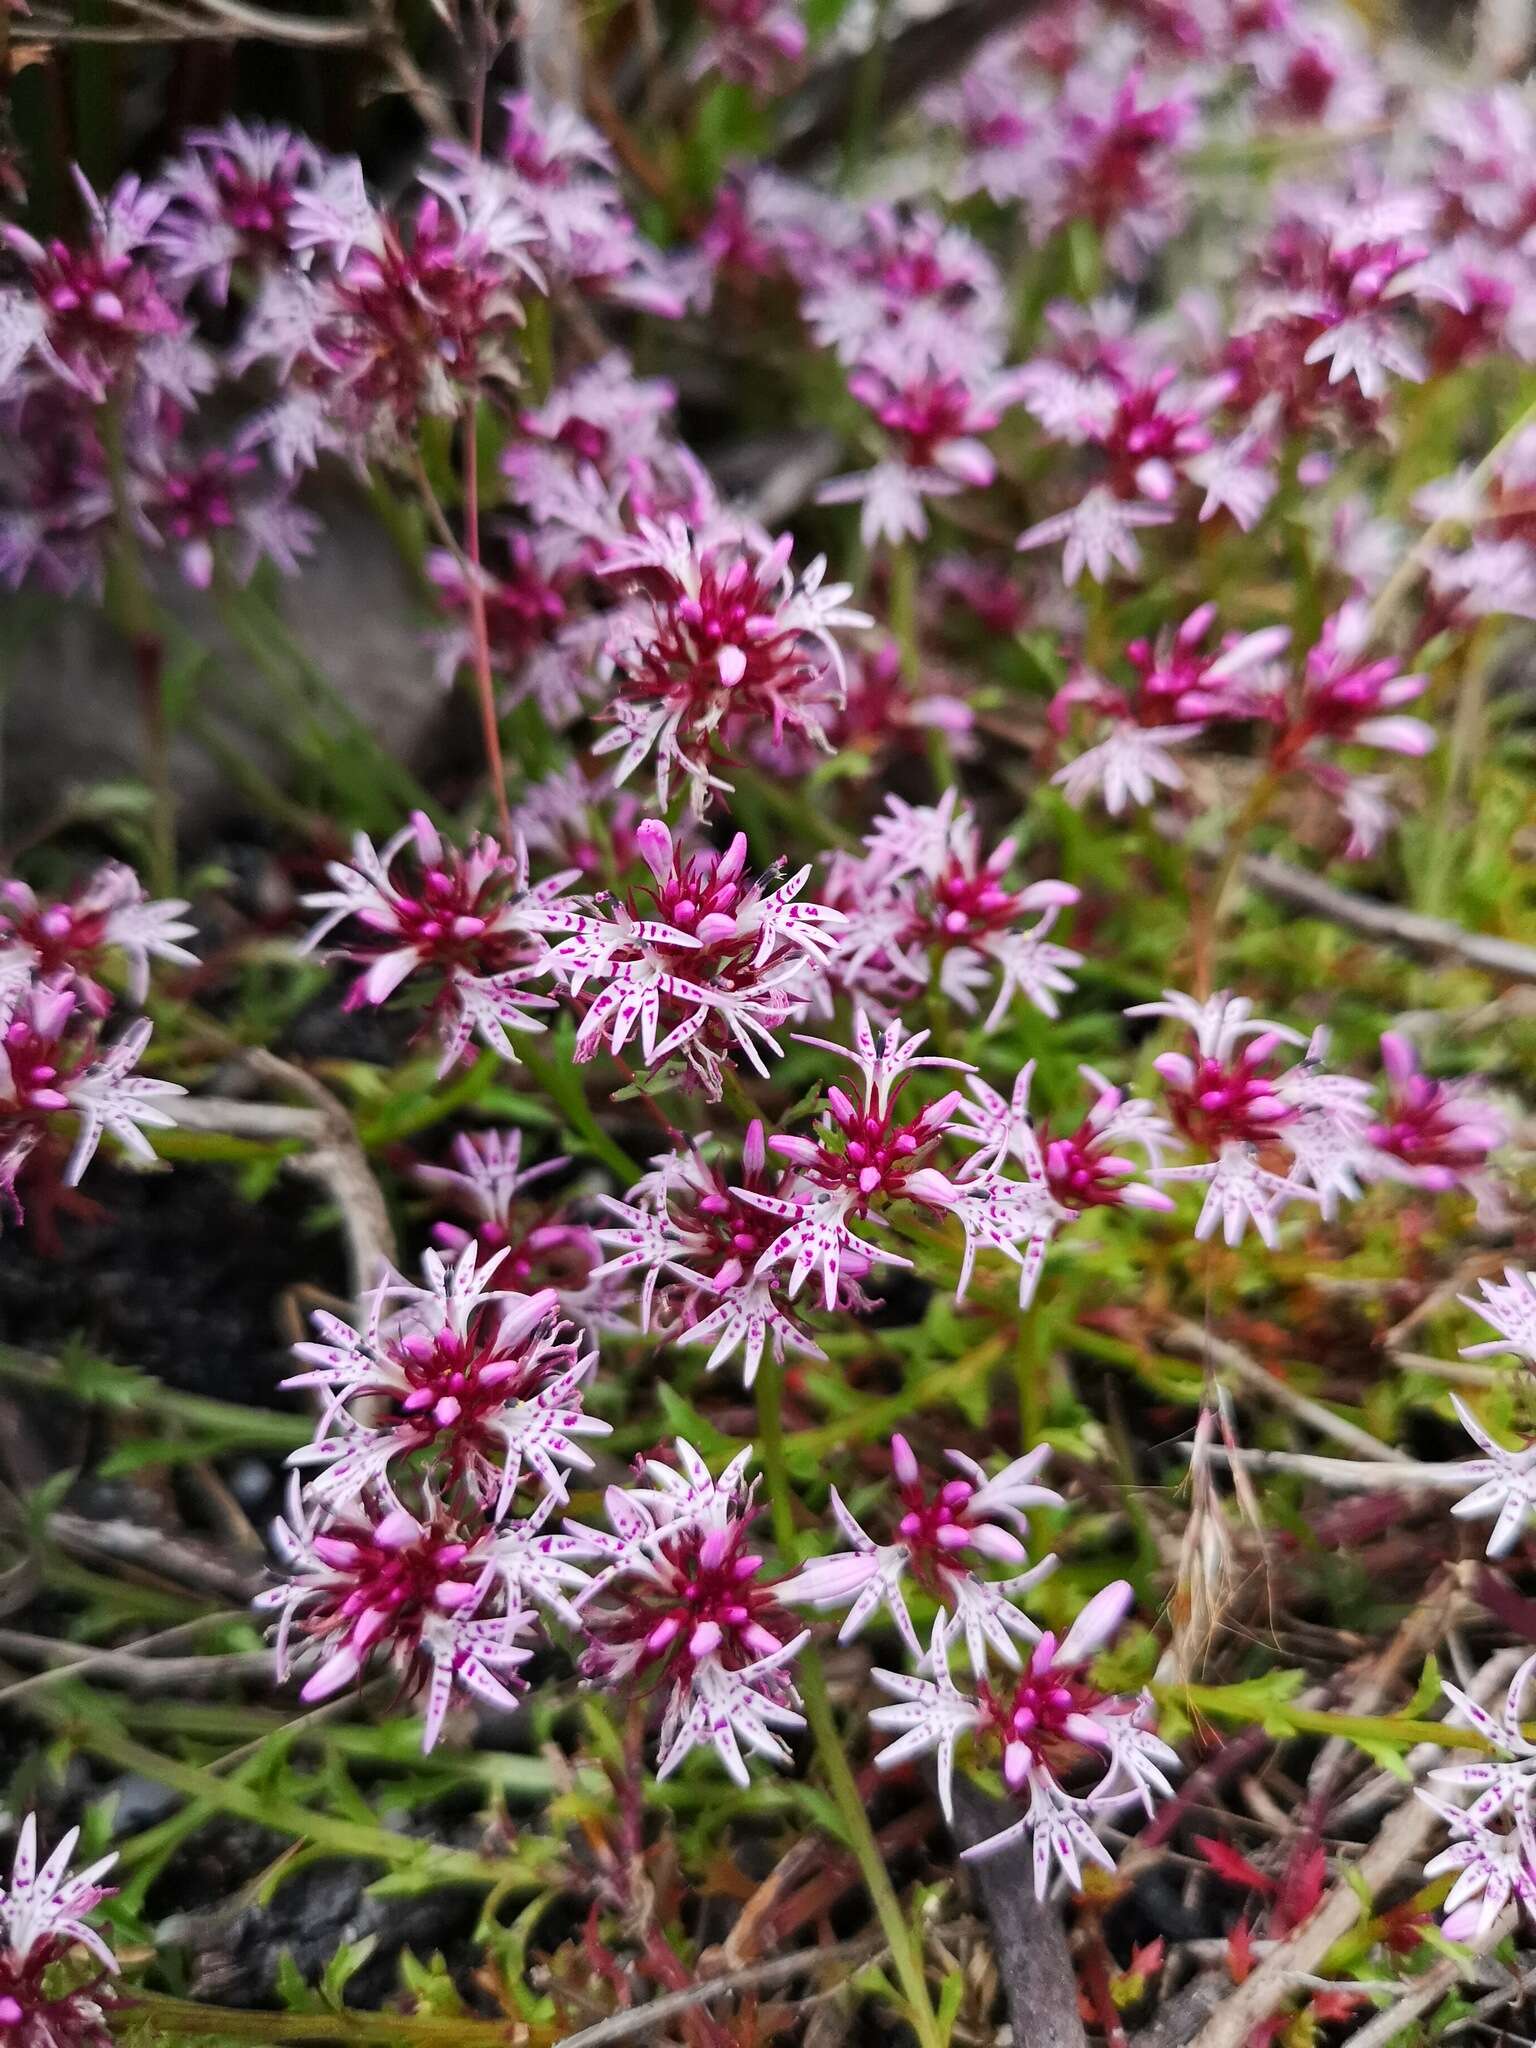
x=62 y=1086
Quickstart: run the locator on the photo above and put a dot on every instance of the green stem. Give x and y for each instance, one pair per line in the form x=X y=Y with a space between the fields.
x=188 y=2021
x=864 y=115
x=539 y=343
x=133 y=1392
x=812 y=1682
x=903 y=607
x=132 y=608
x=287 y=1816
x=563 y=1087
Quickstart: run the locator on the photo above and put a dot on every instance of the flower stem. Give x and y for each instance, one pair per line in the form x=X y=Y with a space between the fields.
x=868 y=87
x=903 y=607
x=812 y=1682
x=1207 y=928
x=133 y=611
x=485 y=688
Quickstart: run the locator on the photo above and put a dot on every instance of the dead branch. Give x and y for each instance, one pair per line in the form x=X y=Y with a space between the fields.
x=1391 y=923
x=149 y=1549
x=644 y=2019
x=129 y=1667
x=334 y=1155
x=1028 y=1939
x=1228 y=1358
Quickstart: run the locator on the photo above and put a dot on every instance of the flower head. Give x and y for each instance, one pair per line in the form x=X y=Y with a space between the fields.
x=680 y=1608
x=93 y=313
x=1431 y=1134
x=469 y=920
x=485 y=1384
x=925 y=906
x=422 y=1590
x=43 y=1917
x=54 y=1069
x=1050 y=1727
x=941 y=1543
x=722 y=644
x=229 y=201
x=703 y=961
x=696 y=1232
x=67 y=943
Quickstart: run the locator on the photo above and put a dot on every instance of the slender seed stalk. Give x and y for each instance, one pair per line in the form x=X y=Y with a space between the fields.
x=812 y=1682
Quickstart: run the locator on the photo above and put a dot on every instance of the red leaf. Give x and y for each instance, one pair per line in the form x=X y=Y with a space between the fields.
x=1147 y=1957
x=1239 y=1952
x=1336 y=2005
x=1233 y=1866
x=1302 y=1885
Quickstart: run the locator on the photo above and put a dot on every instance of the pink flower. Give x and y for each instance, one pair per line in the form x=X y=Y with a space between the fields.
x=1083 y=1170
x=716 y=970
x=750 y=42
x=1098 y=532
x=1502 y=1482
x=94 y=314
x=484 y=1382
x=931 y=421
x=1181 y=687
x=679 y=1609
x=1493 y=1838
x=922 y=288
x=1432 y=1134
x=68 y=943
x=229 y=200
x=43 y=1918
x=941 y=1542
x=866 y=1154
x=470 y=921
x=1044 y=1726
x=423 y=1591
x=53 y=1068
x=1509 y=1307
x=925 y=907
x=1346 y=700
x=1225 y=1100
x=1115 y=164
x=688 y=1224
x=725 y=645
x=546 y=1246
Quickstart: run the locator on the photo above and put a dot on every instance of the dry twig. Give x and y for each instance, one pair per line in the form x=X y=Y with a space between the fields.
x=1392 y=923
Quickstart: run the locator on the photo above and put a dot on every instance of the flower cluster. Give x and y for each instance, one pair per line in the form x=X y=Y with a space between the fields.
x=924 y=907
x=1069 y=1750
x=1492 y=1848
x=452 y=1418
x=679 y=1607
x=44 y=1918
x=702 y=962
x=469 y=922
x=59 y=1078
